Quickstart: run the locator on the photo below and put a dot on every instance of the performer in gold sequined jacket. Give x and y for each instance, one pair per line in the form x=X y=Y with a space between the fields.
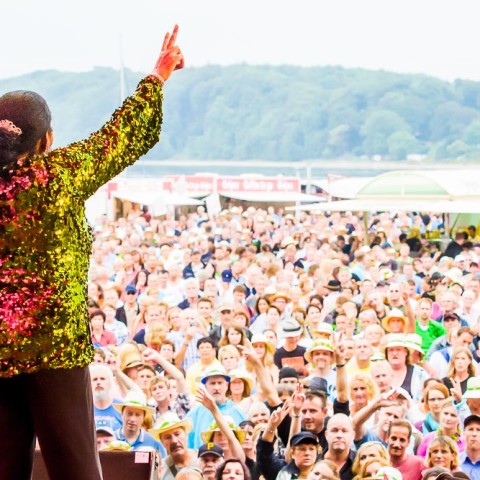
x=45 y=244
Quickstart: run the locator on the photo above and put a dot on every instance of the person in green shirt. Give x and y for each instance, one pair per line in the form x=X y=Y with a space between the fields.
x=427 y=328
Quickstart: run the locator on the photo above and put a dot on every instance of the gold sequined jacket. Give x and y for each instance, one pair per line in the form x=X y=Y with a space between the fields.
x=45 y=241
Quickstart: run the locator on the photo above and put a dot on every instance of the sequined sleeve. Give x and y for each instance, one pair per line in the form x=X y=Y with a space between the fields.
x=45 y=242
x=131 y=132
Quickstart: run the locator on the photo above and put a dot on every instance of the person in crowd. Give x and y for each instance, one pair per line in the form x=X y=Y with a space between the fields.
x=324 y=470
x=208 y=359
x=291 y=354
x=434 y=397
x=210 y=457
x=442 y=452
x=470 y=458
x=101 y=337
x=398 y=441
x=404 y=374
x=233 y=469
x=449 y=427
x=113 y=325
x=369 y=451
x=173 y=432
x=340 y=435
x=216 y=383
x=304 y=453
x=461 y=368
x=135 y=412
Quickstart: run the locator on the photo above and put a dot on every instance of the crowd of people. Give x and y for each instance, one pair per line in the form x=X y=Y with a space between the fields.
x=256 y=344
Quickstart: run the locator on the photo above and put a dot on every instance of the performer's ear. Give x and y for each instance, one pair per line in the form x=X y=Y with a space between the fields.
x=49 y=137
x=45 y=143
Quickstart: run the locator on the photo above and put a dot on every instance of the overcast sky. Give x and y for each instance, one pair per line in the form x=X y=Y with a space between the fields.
x=436 y=37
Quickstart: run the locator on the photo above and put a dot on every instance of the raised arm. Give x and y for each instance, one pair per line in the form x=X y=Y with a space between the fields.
x=204 y=398
x=264 y=378
x=151 y=355
x=341 y=378
x=411 y=327
x=359 y=419
x=131 y=132
x=180 y=356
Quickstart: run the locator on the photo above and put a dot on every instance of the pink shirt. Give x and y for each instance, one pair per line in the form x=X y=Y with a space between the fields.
x=411 y=467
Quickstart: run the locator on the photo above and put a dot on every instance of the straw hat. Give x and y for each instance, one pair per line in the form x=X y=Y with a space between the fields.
x=396 y=340
x=243 y=375
x=455 y=275
x=213 y=427
x=394 y=313
x=261 y=338
x=288 y=241
x=281 y=295
x=135 y=399
x=323 y=327
x=319 y=344
x=170 y=421
x=414 y=342
x=131 y=360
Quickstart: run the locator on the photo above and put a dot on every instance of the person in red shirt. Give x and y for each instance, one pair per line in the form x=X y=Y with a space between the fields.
x=100 y=336
x=398 y=440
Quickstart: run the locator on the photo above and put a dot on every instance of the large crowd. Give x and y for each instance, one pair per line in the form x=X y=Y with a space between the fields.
x=257 y=344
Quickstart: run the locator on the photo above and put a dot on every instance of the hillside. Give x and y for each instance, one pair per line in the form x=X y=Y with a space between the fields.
x=282 y=113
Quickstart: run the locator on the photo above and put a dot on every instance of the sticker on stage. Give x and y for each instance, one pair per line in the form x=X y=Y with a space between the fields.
x=142 y=457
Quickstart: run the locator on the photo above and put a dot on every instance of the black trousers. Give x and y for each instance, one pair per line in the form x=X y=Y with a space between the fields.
x=55 y=406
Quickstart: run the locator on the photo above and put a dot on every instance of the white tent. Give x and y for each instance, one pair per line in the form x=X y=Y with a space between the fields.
x=271 y=197
x=361 y=205
x=157 y=201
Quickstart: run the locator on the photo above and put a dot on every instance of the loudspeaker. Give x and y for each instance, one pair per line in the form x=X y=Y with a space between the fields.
x=115 y=466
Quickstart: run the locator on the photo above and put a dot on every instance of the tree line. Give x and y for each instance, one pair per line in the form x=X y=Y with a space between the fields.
x=280 y=113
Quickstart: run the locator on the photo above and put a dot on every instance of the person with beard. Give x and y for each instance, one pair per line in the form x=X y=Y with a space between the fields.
x=340 y=436
x=216 y=383
x=398 y=441
x=102 y=388
x=173 y=433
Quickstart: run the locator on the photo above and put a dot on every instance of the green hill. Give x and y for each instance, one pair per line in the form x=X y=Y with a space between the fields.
x=281 y=113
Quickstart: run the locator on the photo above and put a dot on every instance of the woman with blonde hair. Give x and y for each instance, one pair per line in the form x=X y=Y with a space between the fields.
x=370 y=468
x=369 y=451
x=240 y=389
x=362 y=391
x=229 y=357
x=265 y=351
x=460 y=368
x=156 y=335
x=434 y=397
x=324 y=470
x=443 y=452
x=174 y=318
x=449 y=427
